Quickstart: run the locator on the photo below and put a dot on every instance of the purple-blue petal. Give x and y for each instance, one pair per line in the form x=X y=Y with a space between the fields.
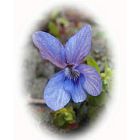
x=78 y=46
x=50 y=48
x=93 y=82
x=75 y=89
x=55 y=96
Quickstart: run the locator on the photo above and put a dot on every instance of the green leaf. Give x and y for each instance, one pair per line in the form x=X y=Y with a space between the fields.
x=91 y=62
x=107 y=74
x=68 y=116
x=92 y=112
x=64 y=116
x=53 y=29
x=59 y=120
x=107 y=79
x=63 y=21
x=98 y=100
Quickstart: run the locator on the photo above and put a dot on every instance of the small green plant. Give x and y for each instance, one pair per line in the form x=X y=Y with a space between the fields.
x=64 y=117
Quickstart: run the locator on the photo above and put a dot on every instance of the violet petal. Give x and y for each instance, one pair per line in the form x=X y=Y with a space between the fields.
x=78 y=46
x=55 y=95
x=93 y=82
x=50 y=48
x=75 y=89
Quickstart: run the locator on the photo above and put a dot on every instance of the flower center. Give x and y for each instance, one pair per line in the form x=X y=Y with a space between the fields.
x=72 y=73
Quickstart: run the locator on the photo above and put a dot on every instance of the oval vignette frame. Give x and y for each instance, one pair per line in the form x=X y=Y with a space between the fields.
x=62 y=24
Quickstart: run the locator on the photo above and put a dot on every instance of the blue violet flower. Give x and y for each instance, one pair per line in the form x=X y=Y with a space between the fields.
x=75 y=79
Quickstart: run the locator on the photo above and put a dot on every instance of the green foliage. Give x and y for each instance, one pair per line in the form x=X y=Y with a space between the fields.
x=63 y=117
x=91 y=62
x=53 y=29
x=92 y=111
x=81 y=111
x=97 y=100
x=63 y=21
x=107 y=78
